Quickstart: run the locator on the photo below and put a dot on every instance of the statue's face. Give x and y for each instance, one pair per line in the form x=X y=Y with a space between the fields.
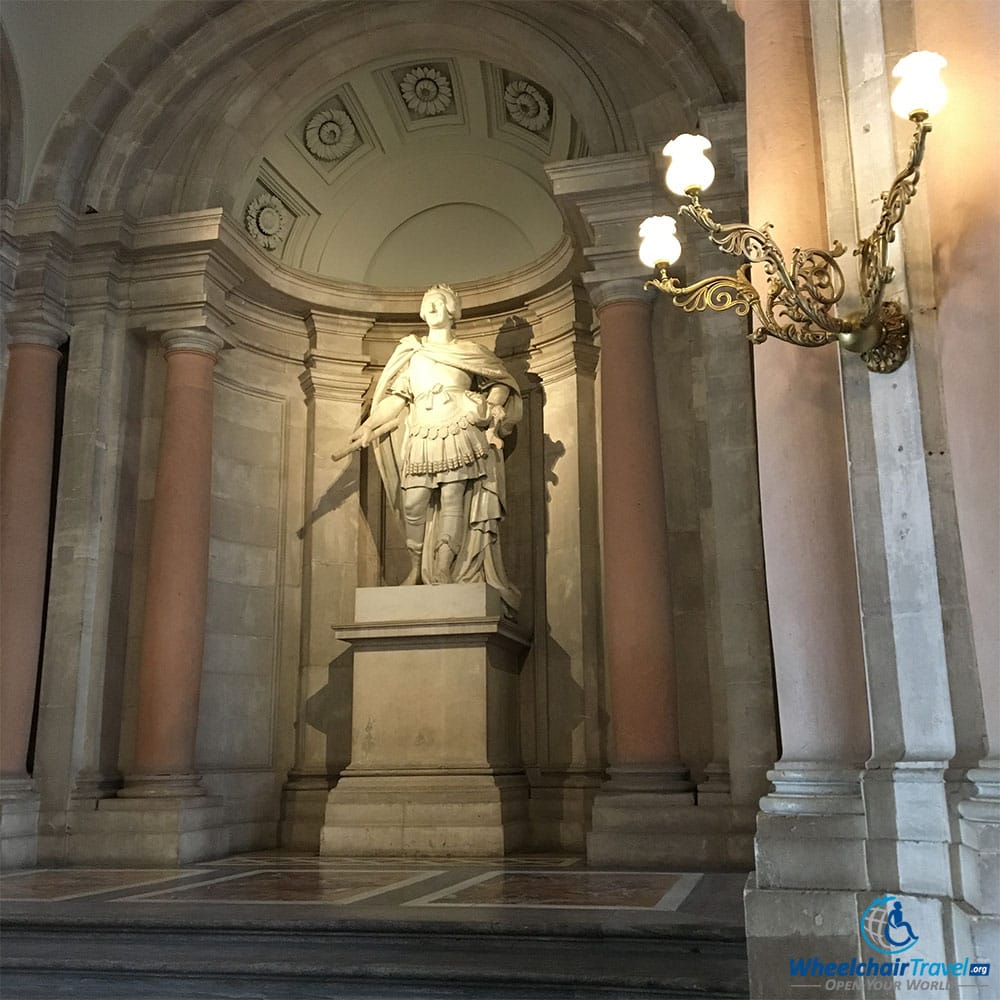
x=434 y=310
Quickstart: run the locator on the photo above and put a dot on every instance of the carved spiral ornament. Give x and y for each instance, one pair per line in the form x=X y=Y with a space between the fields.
x=330 y=134
x=425 y=91
x=267 y=220
x=526 y=105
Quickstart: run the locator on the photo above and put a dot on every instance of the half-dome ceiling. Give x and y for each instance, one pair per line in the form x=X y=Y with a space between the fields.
x=384 y=142
x=424 y=168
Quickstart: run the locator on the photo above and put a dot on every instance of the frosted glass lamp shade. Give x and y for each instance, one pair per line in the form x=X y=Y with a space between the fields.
x=920 y=91
x=690 y=169
x=658 y=241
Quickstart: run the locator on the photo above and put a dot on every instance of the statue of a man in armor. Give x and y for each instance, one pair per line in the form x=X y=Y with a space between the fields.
x=438 y=416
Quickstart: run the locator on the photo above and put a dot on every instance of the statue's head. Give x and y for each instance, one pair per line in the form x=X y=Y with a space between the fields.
x=452 y=302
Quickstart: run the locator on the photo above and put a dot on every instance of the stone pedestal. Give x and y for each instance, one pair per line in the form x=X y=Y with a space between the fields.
x=435 y=749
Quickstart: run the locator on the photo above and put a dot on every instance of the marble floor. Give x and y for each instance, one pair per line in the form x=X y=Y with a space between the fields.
x=279 y=926
x=410 y=888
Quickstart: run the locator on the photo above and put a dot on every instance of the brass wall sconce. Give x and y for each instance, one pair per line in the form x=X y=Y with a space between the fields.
x=801 y=296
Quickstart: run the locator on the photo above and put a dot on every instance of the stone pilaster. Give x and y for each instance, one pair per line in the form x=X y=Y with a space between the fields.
x=334 y=382
x=568 y=695
x=738 y=598
x=933 y=813
x=26 y=451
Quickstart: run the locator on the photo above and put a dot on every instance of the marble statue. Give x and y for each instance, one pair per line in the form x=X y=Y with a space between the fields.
x=440 y=411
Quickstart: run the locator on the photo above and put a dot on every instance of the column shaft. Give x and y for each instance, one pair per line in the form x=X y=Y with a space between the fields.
x=174 y=629
x=25 y=492
x=805 y=502
x=637 y=607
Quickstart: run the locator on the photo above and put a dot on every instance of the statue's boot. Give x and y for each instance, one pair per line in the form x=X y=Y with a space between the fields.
x=416 y=550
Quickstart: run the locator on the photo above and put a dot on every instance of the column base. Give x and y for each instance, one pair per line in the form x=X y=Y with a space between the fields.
x=426 y=815
x=151 y=829
x=909 y=826
x=303 y=809
x=646 y=816
x=19 y=803
x=715 y=790
x=173 y=785
x=813 y=812
x=659 y=779
x=979 y=826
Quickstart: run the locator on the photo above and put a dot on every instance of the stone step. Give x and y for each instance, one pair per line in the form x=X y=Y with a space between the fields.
x=154 y=960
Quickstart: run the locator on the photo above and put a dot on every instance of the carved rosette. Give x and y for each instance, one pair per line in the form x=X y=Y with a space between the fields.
x=330 y=134
x=267 y=221
x=526 y=105
x=425 y=91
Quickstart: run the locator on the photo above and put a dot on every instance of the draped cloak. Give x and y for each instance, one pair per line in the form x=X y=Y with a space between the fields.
x=485 y=499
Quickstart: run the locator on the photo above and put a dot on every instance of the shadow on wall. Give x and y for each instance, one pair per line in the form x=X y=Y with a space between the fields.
x=342 y=488
x=329 y=711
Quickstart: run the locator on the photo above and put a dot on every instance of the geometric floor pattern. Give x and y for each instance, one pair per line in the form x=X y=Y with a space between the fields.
x=274 y=925
x=274 y=878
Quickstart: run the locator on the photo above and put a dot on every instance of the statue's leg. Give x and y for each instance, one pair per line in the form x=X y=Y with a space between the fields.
x=452 y=527
x=415 y=501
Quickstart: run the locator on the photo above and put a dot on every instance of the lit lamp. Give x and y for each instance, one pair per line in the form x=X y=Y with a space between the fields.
x=802 y=293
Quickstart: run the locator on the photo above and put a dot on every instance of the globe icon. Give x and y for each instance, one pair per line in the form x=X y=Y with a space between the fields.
x=884 y=928
x=873 y=923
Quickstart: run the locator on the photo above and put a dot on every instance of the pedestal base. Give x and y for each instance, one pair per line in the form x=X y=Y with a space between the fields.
x=18 y=823
x=422 y=815
x=155 y=830
x=435 y=764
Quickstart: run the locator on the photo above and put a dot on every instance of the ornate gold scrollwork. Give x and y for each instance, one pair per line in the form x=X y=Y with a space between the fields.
x=801 y=298
x=717 y=293
x=894 y=344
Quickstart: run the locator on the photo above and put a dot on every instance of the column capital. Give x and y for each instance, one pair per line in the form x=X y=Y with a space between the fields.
x=604 y=293
x=200 y=341
x=29 y=330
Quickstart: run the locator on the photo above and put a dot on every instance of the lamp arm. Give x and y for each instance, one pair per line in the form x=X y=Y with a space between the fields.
x=718 y=293
x=800 y=300
x=735 y=291
x=873 y=252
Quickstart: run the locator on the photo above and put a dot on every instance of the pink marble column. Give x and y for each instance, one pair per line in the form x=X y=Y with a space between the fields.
x=25 y=490
x=637 y=607
x=173 y=636
x=805 y=504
